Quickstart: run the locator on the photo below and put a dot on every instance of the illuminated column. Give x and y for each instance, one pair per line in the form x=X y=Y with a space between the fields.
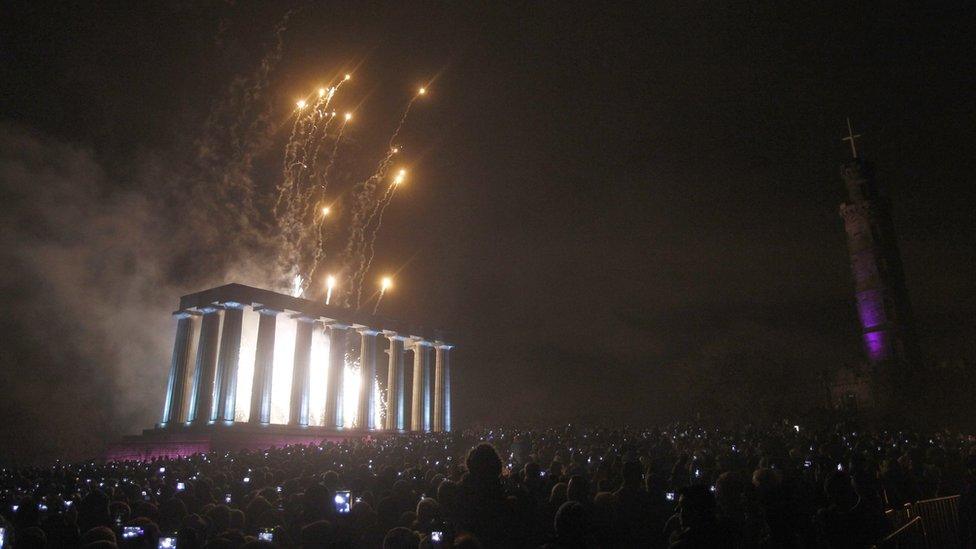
x=367 y=365
x=263 y=368
x=230 y=354
x=202 y=399
x=442 y=389
x=337 y=366
x=420 y=403
x=301 y=376
x=176 y=388
x=394 y=384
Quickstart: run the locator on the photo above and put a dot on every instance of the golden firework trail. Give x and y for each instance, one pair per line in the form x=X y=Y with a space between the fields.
x=303 y=208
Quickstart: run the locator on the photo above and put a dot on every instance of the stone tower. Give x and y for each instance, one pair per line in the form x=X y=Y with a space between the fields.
x=883 y=307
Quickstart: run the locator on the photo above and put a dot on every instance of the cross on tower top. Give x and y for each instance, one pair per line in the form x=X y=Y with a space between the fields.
x=851 y=136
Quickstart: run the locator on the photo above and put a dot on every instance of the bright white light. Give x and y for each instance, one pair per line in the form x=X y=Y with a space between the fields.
x=284 y=362
x=330 y=282
x=321 y=92
x=318 y=376
x=300 y=103
x=422 y=91
x=296 y=286
x=245 y=363
x=348 y=76
x=351 y=381
x=386 y=283
x=348 y=116
x=378 y=405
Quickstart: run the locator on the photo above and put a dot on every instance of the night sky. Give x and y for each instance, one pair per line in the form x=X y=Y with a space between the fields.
x=602 y=201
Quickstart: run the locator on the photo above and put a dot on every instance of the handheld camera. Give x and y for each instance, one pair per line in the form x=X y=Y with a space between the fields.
x=132 y=532
x=342 y=501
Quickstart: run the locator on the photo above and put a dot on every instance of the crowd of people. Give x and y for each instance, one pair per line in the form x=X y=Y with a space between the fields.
x=683 y=486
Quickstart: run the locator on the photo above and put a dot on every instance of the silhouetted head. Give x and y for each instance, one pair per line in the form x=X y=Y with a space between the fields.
x=467 y=541
x=839 y=490
x=427 y=510
x=578 y=489
x=447 y=494
x=401 y=538
x=317 y=535
x=557 y=496
x=696 y=506
x=729 y=489
x=99 y=533
x=33 y=538
x=483 y=462
x=633 y=474
x=571 y=524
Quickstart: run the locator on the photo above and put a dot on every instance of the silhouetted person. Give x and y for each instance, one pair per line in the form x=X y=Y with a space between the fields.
x=482 y=506
x=401 y=538
x=698 y=525
x=634 y=504
x=844 y=523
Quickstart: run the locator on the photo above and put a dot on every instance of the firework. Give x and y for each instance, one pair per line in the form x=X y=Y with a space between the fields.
x=302 y=205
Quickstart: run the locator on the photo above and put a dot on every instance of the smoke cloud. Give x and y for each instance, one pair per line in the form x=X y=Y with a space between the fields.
x=93 y=271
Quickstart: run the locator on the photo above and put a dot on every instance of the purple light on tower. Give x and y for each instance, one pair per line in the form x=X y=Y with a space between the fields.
x=870 y=308
x=876 y=346
x=883 y=308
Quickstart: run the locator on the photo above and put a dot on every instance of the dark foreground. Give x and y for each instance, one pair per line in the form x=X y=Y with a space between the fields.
x=683 y=486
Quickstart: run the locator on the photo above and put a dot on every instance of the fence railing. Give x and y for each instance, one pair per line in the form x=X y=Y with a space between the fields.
x=925 y=524
x=910 y=535
x=897 y=518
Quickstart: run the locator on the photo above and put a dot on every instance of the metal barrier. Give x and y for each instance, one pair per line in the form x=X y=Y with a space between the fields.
x=897 y=518
x=910 y=536
x=940 y=517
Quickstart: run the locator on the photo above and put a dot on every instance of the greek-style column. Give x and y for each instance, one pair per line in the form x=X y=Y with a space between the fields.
x=263 y=368
x=337 y=366
x=394 y=384
x=176 y=387
x=301 y=375
x=367 y=365
x=442 y=389
x=420 y=403
x=230 y=354
x=202 y=399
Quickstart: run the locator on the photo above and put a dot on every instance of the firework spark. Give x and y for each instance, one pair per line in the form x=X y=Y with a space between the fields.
x=303 y=207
